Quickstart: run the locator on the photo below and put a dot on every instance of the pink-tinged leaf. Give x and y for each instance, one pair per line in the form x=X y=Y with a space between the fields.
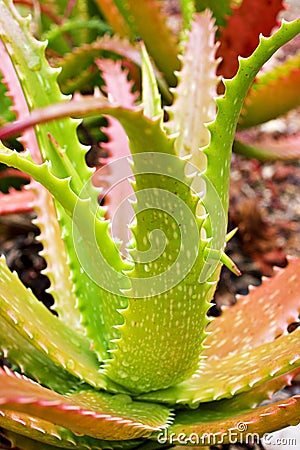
x=10 y=172
x=263 y=392
x=273 y=94
x=93 y=413
x=113 y=178
x=20 y=107
x=29 y=433
x=147 y=20
x=259 y=317
x=16 y=201
x=247 y=21
x=217 y=424
x=113 y=16
x=266 y=148
x=194 y=104
x=84 y=106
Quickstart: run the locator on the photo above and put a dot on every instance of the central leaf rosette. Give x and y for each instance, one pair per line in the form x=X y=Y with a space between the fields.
x=165 y=296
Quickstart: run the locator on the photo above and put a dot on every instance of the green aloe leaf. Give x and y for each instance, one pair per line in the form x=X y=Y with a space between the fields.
x=194 y=99
x=54 y=253
x=97 y=414
x=38 y=81
x=221 y=10
x=92 y=231
x=34 y=361
x=218 y=377
x=31 y=319
x=82 y=61
x=187 y=10
x=161 y=280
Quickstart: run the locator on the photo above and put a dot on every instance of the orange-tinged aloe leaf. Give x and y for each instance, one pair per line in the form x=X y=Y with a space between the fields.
x=29 y=433
x=266 y=148
x=147 y=21
x=39 y=85
x=273 y=93
x=247 y=21
x=194 y=103
x=94 y=413
x=258 y=317
x=114 y=17
x=224 y=377
x=219 y=424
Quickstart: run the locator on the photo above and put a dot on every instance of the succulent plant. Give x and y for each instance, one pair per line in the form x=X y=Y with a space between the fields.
x=129 y=359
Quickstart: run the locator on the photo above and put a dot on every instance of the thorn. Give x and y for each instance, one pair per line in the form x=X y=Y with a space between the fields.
x=231 y=234
x=227 y=261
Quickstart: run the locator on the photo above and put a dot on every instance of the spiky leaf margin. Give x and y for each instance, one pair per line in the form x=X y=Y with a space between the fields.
x=247 y=20
x=29 y=433
x=261 y=316
x=94 y=413
x=31 y=319
x=159 y=40
x=266 y=148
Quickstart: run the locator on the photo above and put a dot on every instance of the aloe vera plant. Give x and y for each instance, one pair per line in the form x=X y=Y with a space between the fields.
x=130 y=358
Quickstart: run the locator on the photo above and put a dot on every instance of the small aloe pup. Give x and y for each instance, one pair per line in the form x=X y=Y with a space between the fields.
x=130 y=359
